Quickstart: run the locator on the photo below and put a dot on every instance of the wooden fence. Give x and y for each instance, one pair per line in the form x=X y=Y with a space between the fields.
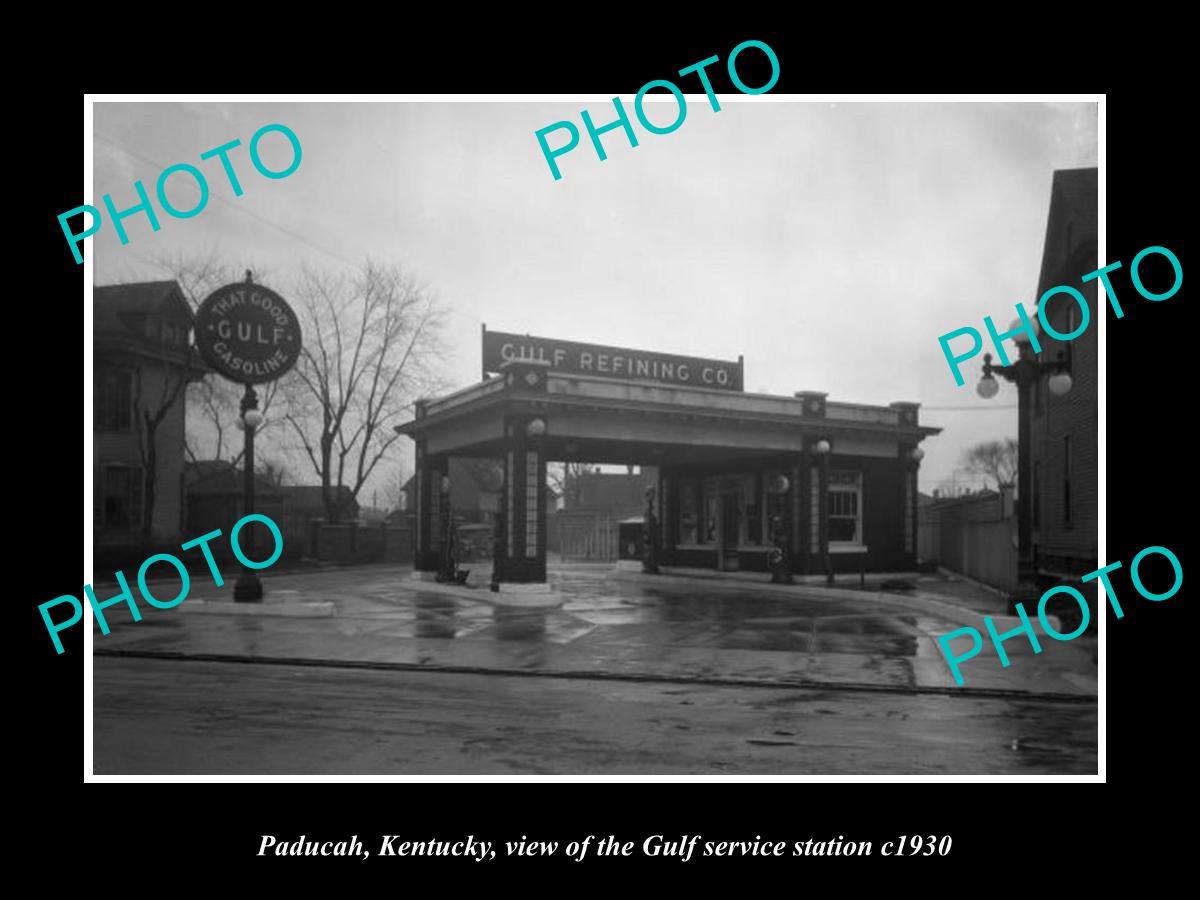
x=975 y=536
x=585 y=536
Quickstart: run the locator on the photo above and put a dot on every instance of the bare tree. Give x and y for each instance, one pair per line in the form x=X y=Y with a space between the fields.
x=273 y=471
x=157 y=387
x=369 y=341
x=565 y=479
x=393 y=487
x=995 y=460
x=216 y=407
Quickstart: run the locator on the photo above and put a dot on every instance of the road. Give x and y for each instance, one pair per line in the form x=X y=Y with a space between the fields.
x=191 y=717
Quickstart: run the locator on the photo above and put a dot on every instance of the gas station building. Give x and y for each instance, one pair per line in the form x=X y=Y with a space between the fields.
x=833 y=483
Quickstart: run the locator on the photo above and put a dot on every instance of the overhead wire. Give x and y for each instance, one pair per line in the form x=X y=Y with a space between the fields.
x=234 y=206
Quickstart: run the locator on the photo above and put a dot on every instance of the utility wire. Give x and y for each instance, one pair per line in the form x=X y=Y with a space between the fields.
x=234 y=206
x=968 y=408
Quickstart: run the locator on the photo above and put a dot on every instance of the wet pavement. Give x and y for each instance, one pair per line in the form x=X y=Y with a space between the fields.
x=608 y=627
x=363 y=670
x=198 y=718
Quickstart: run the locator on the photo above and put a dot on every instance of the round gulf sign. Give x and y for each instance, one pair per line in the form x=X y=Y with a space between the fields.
x=248 y=333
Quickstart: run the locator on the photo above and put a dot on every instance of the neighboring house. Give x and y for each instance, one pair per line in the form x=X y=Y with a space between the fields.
x=474 y=489
x=474 y=492
x=1065 y=429
x=215 y=489
x=620 y=495
x=142 y=363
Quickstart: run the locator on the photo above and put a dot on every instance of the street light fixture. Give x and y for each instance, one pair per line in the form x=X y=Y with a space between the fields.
x=1024 y=373
x=987 y=387
x=1059 y=383
x=248 y=588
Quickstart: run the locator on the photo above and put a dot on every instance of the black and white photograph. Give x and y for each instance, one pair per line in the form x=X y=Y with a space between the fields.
x=684 y=434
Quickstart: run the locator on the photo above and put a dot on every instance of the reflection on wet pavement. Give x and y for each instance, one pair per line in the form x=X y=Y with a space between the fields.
x=605 y=626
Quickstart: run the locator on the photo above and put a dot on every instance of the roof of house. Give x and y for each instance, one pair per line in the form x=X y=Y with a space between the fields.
x=114 y=301
x=217 y=477
x=1069 y=248
x=120 y=313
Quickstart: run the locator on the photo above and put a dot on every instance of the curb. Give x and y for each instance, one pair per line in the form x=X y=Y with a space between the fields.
x=584 y=675
x=916 y=601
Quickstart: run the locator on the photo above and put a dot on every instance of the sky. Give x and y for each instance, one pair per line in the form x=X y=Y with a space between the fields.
x=830 y=244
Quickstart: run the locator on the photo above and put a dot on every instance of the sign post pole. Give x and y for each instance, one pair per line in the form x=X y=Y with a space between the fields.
x=248 y=588
x=249 y=334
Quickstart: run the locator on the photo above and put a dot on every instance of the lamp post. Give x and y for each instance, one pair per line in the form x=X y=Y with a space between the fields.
x=1024 y=373
x=248 y=588
x=500 y=534
x=822 y=448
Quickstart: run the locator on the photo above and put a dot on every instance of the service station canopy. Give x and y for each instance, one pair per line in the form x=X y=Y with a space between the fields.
x=625 y=420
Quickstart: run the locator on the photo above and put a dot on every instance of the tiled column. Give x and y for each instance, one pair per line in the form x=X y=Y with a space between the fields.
x=525 y=474
x=799 y=512
x=810 y=488
x=668 y=508
x=525 y=487
x=909 y=463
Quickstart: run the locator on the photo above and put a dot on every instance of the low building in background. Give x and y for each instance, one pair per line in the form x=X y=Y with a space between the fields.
x=215 y=495
x=475 y=486
x=595 y=503
x=616 y=494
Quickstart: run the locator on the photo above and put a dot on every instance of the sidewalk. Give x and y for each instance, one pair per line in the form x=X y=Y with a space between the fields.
x=664 y=628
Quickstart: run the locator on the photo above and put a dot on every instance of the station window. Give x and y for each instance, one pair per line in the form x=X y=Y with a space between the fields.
x=752 y=499
x=689 y=519
x=710 y=519
x=845 y=508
